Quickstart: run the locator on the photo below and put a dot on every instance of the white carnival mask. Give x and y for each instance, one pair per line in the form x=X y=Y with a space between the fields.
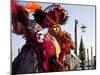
x=40 y=36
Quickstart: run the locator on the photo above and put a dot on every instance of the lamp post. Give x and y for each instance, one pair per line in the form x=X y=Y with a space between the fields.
x=88 y=59
x=91 y=58
x=83 y=28
x=82 y=55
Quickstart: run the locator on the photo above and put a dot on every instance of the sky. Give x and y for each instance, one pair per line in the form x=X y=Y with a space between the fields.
x=83 y=13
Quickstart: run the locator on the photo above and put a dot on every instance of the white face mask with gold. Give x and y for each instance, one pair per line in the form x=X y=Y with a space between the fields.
x=40 y=36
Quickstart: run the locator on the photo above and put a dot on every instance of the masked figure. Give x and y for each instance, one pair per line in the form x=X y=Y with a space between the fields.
x=53 y=17
x=65 y=42
x=28 y=59
x=48 y=51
